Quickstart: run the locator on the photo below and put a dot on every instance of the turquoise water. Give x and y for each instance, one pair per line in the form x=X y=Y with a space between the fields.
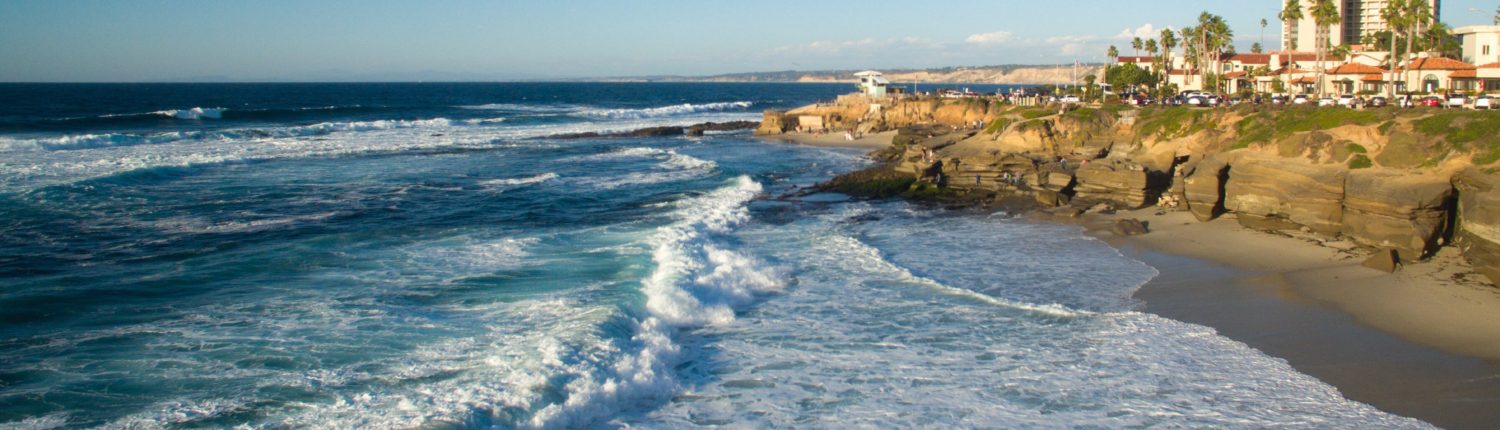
x=398 y=256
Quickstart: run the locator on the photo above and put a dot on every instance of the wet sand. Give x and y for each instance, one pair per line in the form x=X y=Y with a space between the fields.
x=1417 y=343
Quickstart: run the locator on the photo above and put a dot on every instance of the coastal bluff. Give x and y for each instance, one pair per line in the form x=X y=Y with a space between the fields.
x=1402 y=183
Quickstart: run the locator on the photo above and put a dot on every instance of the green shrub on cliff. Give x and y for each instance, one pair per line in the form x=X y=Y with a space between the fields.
x=1360 y=162
x=996 y=126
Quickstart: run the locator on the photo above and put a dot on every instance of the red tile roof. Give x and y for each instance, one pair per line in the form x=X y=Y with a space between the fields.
x=1130 y=59
x=1304 y=80
x=1372 y=78
x=1438 y=63
x=1232 y=75
x=1463 y=74
x=1355 y=69
x=1490 y=66
x=1250 y=58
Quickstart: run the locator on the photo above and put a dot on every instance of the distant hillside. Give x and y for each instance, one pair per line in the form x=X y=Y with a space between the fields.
x=1008 y=74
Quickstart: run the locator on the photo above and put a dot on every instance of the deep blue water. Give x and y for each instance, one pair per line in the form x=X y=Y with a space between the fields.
x=421 y=255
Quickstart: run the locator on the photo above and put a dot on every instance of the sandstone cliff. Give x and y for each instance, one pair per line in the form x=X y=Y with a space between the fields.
x=1408 y=181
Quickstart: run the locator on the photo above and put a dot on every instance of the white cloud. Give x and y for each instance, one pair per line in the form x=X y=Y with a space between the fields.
x=989 y=38
x=1147 y=31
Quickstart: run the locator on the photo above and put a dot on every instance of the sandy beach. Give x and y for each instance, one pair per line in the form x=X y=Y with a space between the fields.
x=1423 y=342
x=872 y=141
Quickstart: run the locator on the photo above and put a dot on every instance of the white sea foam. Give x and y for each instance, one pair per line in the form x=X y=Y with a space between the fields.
x=674 y=110
x=864 y=342
x=485 y=121
x=515 y=182
x=193 y=113
x=696 y=282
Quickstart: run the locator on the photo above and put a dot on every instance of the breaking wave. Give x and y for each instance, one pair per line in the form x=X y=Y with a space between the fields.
x=682 y=109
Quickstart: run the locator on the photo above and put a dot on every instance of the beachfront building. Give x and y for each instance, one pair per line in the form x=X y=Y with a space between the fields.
x=1481 y=43
x=873 y=84
x=1360 y=18
x=1431 y=74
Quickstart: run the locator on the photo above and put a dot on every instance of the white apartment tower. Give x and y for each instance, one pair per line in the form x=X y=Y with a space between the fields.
x=1360 y=17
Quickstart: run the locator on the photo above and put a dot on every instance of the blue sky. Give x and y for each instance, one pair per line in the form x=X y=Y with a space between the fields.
x=79 y=40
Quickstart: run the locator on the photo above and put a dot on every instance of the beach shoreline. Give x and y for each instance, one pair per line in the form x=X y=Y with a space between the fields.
x=1416 y=343
x=1422 y=342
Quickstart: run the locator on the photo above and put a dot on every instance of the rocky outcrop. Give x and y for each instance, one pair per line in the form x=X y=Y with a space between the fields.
x=1007 y=171
x=1478 y=232
x=1279 y=194
x=1203 y=188
x=772 y=122
x=1125 y=184
x=1397 y=211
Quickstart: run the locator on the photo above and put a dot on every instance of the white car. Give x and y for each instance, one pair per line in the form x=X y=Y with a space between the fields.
x=1348 y=101
x=1070 y=99
x=1456 y=100
x=1300 y=99
x=1326 y=101
x=1485 y=102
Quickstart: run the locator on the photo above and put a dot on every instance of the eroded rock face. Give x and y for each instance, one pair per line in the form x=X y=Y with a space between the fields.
x=1276 y=194
x=1203 y=188
x=1478 y=234
x=1398 y=211
x=1127 y=185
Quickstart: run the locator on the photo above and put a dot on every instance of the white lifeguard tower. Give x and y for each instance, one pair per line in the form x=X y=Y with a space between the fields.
x=872 y=84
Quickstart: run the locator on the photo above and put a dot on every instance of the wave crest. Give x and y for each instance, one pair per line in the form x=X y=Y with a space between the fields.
x=682 y=109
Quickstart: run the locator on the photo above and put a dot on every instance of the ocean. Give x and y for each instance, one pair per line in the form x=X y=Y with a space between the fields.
x=424 y=256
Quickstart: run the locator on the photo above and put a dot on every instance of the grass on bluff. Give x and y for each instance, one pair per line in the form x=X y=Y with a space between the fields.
x=1469 y=131
x=997 y=125
x=1173 y=122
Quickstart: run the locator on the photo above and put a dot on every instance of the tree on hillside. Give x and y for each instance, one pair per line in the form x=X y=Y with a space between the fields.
x=1291 y=13
x=1325 y=14
x=1136 y=44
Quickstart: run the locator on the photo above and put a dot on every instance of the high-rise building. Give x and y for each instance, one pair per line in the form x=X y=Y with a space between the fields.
x=1358 y=18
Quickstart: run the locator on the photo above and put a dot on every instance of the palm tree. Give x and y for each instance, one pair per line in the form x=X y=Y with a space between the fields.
x=1325 y=14
x=1263 y=25
x=1418 y=14
x=1290 y=14
x=1151 y=50
x=1113 y=53
x=1394 y=14
x=1168 y=41
x=1255 y=48
x=1136 y=44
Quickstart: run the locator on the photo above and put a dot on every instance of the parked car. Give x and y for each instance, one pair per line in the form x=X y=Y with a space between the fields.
x=1456 y=100
x=1378 y=101
x=1070 y=98
x=1278 y=100
x=1327 y=101
x=1486 y=102
x=1300 y=99
x=1430 y=101
x=1197 y=100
